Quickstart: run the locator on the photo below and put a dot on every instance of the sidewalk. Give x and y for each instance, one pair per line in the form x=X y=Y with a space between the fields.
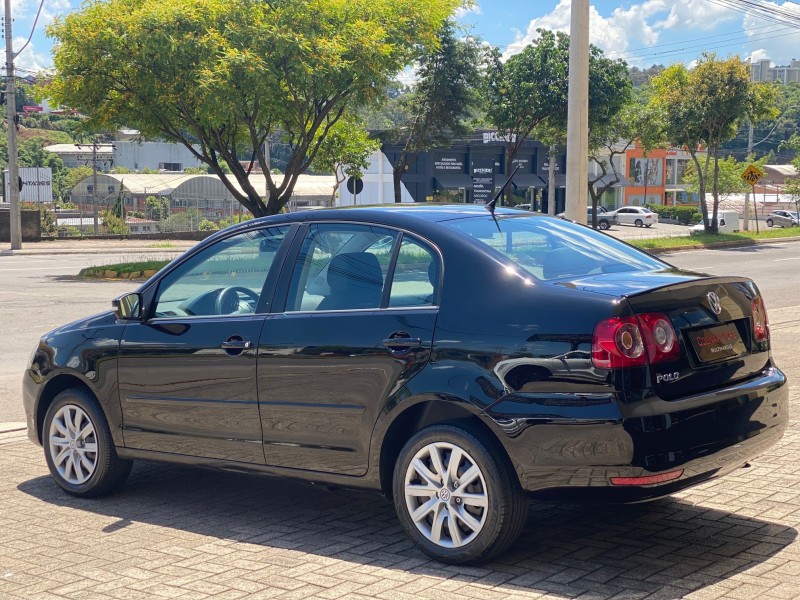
x=90 y=246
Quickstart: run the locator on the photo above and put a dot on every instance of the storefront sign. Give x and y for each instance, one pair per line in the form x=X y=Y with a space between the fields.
x=482 y=189
x=448 y=163
x=493 y=136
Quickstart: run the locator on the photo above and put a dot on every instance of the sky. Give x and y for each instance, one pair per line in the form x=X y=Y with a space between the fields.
x=642 y=33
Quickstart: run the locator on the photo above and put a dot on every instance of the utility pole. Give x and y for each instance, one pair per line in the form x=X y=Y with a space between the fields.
x=578 y=113
x=747 y=194
x=15 y=217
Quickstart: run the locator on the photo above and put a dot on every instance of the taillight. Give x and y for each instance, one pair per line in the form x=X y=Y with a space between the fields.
x=760 y=320
x=634 y=341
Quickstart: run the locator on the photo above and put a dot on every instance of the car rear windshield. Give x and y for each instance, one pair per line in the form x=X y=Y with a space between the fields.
x=551 y=249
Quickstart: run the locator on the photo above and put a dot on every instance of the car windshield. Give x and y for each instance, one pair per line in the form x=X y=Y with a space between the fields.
x=554 y=249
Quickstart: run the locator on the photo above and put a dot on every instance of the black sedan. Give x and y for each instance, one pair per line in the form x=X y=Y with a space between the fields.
x=454 y=359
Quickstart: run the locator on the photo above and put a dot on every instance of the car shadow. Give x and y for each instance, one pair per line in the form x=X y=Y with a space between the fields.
x=669 y=547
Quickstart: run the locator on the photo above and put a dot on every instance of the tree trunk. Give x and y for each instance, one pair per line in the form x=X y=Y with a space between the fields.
x=551 y=182
x=715 y=190
x=397 y=173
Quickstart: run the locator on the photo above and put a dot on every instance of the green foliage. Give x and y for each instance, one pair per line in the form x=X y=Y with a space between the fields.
x=685 y=215
x=121 y=170
x=704 y=107
x=529 y=87
x=113 y=223
x=347 y=147
x=206 y=225
x=444 y=96
x=729 y=177
x=156 y=208
x=641 y=77
x=187 y=220
x=226 y=74
x=196 y=170
x=223 y=223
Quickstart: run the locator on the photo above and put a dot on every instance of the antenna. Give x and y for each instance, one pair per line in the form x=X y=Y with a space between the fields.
x=493 y=202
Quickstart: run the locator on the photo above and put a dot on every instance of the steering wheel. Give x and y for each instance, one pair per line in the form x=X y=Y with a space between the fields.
x=228 y=299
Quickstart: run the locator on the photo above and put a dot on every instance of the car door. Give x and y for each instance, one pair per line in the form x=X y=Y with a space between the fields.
x=626 y=216
x=187 y=374
x=358 y=322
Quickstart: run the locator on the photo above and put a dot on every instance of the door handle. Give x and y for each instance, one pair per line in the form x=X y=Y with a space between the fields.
x=402 y=342
x=236 y=343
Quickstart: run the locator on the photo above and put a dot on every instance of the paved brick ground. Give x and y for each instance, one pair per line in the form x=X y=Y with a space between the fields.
x=190 y=533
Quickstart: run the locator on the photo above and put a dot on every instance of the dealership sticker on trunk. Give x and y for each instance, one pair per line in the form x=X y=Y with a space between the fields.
x=717 y=343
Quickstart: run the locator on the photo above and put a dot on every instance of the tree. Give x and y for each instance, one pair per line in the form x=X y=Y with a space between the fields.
x=221 y=76
x=730 y=176
x=345 y=151
x=635 y=121
x=704 y=107
x=610 y=91
x=441 y=100
x=528 y=88
x=156 y=207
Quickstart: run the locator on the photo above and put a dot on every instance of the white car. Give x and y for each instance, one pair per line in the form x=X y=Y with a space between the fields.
x=635 y=215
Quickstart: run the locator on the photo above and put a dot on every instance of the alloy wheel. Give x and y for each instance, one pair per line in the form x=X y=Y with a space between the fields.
x=446 y=495
x=72 y=442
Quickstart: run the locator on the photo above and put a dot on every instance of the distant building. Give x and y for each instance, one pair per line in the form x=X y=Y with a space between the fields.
x=80 y=155
x=762 y=70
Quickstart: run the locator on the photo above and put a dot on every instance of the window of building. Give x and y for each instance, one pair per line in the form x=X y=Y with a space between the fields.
x=170 y=166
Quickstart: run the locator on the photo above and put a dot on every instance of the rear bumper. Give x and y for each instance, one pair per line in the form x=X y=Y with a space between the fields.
x=704 y=436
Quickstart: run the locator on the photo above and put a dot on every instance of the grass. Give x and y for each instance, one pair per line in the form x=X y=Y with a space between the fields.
x=102 y=271
x=707 y=240
x=162 y=245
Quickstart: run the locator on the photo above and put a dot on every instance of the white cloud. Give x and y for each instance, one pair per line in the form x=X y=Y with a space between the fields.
x=27 y=62
x=697 y=14
x=632 y=27
x=473 y=8
x=780 y=43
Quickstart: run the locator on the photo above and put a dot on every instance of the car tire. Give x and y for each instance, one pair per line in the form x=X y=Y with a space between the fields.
x=649 y=225
x=438 y=519
x=603 y=225
x=769 y=223
x=78 y=446
x=638 y=222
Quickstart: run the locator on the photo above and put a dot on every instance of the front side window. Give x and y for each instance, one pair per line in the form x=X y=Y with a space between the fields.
x=226 y=278
x=341 y=266
x=552 y=249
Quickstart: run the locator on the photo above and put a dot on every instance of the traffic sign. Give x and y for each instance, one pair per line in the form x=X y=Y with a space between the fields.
x=752 y=174
x=355 y=185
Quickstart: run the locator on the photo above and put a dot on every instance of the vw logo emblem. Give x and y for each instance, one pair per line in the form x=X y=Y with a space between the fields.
x=714 y=303
x=444 y=494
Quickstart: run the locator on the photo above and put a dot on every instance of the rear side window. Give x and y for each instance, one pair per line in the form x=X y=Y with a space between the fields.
x=550 y=249
x=416 y=274
x=341 y=267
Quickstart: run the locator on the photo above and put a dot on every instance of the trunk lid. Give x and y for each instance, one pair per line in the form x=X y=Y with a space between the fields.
x=713 y=322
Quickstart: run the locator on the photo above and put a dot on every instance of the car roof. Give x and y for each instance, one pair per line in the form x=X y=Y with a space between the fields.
x=406 y=215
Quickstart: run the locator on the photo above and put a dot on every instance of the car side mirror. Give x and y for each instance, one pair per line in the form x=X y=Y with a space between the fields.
x=128 y=307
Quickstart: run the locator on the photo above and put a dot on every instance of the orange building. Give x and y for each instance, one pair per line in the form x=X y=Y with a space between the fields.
x=657 y=178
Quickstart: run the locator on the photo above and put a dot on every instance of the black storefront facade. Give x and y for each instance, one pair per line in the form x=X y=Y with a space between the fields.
x=471 y=170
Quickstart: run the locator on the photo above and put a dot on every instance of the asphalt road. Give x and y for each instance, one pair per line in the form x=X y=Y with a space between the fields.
x=38 y=293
